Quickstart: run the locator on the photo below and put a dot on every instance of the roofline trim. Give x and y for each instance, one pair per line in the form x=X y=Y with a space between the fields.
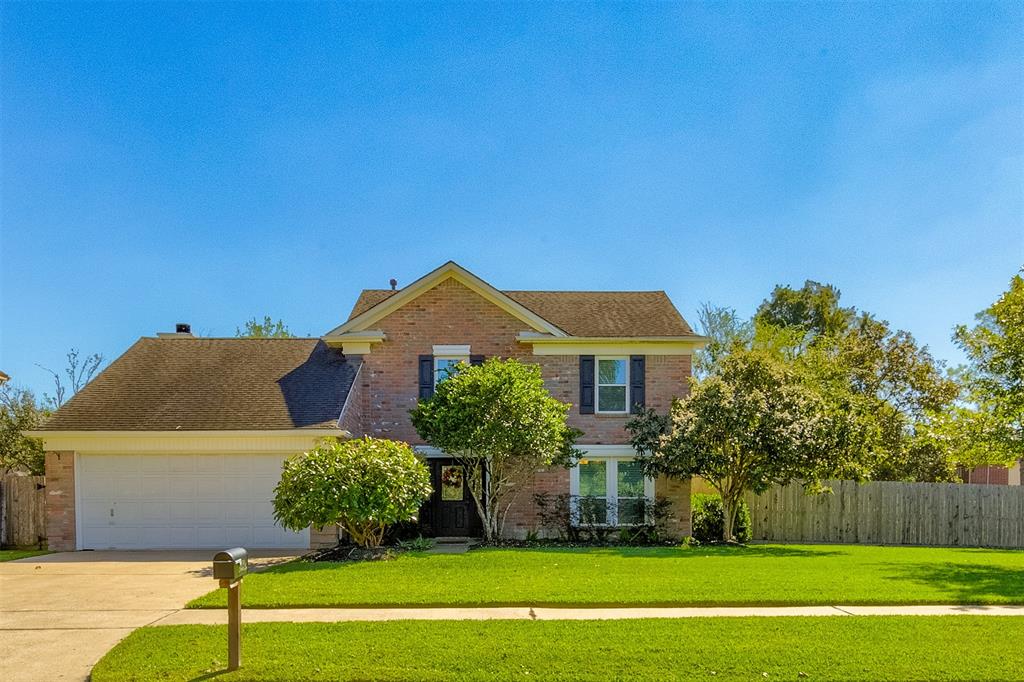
x=639 y=345
x=450 y=270
x=235 y=441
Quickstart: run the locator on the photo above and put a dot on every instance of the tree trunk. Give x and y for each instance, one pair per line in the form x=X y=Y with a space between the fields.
x=728 y=518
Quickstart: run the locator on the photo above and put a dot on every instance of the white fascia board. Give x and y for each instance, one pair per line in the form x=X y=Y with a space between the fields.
x=452 y=270
x=595 y=345
x=229 y=441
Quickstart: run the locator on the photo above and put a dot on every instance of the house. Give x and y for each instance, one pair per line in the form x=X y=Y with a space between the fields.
x=992 y=474
x=179 y=442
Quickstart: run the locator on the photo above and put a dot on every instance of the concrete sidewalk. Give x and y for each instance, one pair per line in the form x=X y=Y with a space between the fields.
x=219 y=616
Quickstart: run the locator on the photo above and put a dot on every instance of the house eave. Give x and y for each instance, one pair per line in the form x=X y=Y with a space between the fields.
x=226 y=441
x=612 y=345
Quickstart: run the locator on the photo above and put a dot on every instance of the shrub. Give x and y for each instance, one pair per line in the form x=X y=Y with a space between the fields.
x=362 y=485
x=707 y=519
x=573 y=520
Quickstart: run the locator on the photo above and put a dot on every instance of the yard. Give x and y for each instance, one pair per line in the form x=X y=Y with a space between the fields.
x=764 y=575
x=823 y=648
x=12 y=554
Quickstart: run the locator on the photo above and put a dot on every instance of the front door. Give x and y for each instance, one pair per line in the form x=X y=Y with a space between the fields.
x=450 y=511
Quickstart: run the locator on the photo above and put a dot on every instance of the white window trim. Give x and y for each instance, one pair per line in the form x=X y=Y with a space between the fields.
x=611 y=484
x=449 y=352
x=597 y=383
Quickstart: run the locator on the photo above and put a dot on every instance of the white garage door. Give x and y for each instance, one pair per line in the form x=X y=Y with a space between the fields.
x=180 y=501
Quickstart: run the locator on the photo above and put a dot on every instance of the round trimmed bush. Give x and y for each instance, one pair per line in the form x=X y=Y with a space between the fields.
x=362 y=485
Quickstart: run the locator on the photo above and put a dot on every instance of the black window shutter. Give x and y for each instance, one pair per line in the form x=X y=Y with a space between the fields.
x=476 y=359
x=637 y=383
x=426 y=376
x=586 y=384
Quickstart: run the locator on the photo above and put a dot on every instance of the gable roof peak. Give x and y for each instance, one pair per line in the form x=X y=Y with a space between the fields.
x=448 y=270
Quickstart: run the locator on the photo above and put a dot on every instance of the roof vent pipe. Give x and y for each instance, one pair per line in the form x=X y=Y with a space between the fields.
x=394 y=283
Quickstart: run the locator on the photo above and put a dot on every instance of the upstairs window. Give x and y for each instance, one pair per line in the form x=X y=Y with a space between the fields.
x=612 y=385
x=446 y=366
x=447 y=359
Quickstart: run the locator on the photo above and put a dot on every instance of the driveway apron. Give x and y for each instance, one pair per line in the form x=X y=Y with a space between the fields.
x=60 y=613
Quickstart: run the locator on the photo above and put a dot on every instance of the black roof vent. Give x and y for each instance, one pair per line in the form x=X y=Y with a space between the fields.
x=182 y=328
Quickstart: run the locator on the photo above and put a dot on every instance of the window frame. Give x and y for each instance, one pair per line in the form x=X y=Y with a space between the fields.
x=611 y=490
x=446 y=358
x=597 y=384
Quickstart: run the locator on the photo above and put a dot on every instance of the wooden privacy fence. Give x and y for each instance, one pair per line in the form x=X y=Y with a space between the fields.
x=22 y=511
x=892 y=513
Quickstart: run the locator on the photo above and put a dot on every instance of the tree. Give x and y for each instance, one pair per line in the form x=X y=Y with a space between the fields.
x=362 y=485
x=814 y=308
x=725 y=330
x=79 y=371
x=500 y=424
x=19 y=412
x=752 y=424
x=994 y=376
x=267 y=329
x=859 y=363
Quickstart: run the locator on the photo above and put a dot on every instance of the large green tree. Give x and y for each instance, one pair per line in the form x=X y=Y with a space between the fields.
x=19 y=412
x=500 y=424
x=754 y=423
x=889 y=383
x=994 y=377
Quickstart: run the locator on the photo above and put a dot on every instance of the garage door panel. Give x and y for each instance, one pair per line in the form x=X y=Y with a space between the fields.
x=179 y=487
x=153 y=465
x=212 y=464
x=95 y=512
x=238 y=511
x=153 y=487
x=180 y=501
x=156 y=511
x=182 y=464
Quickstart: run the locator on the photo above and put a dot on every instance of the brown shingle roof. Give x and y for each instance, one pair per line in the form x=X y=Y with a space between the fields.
x=585 y=313
x=207 y=384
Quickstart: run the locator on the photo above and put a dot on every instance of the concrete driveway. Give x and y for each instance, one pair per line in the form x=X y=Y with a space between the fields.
x=60 y=613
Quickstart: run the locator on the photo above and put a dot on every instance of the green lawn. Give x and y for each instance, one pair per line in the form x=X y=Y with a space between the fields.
x=823 y=648
x=12 y=554
x=677 y=576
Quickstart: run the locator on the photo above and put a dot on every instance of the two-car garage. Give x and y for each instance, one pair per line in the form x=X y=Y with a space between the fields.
x=158 y=501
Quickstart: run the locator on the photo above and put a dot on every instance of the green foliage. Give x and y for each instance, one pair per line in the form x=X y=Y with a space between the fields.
x=19 y=412
x=571 y=519
x=362 y=485
x=267 y=329
x=813 y=308
x=707 y=518
x=994 y=377
x=724 y=330
x=497 y=416
x=706 y=575
x=754 y=423
x=417 y=544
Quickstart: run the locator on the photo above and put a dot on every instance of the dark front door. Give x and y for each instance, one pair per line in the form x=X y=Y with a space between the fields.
x=450 y=511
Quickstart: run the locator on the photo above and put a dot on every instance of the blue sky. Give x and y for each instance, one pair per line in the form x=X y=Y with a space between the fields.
x=211 y=163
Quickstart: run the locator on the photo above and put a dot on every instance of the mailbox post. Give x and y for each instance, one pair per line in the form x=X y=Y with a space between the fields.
x=229 y=567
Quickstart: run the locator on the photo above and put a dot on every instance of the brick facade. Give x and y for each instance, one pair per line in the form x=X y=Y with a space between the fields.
x=452 y=314
x=60 y=501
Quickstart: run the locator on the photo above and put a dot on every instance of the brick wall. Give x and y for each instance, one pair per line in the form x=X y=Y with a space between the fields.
x=60 y=501
x=451 y=313
x=352 y=413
